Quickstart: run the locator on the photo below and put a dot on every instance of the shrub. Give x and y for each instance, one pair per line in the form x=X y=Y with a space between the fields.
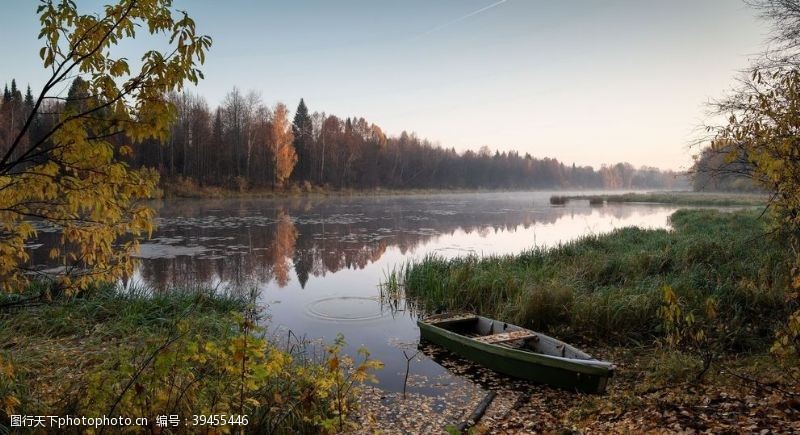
x=187 y=352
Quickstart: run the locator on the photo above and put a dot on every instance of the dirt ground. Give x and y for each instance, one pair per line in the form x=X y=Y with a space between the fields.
x=726 y=401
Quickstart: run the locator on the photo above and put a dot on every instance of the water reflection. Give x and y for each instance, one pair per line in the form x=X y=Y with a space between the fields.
x=263 y=243
x=317 y=262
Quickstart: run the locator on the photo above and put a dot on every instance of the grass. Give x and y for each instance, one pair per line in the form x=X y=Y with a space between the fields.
x=680 y=198
x=605 y=293
x=596 y=200
x=182 y=187
x=144 y=353
x=608 y=288
x=106 y=311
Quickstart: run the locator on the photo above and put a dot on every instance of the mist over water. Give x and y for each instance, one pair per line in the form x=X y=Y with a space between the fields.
x=317 y=262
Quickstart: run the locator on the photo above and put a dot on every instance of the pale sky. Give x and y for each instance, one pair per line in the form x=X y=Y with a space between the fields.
x=588 y=82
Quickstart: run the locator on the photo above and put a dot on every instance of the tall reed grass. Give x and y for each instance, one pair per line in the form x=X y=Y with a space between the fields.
x=608 y=288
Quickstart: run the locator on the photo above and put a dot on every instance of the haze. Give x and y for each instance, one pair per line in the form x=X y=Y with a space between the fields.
x=589 y=82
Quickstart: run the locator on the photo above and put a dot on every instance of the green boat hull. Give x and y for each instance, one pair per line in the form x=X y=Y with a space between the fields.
x=559 y=372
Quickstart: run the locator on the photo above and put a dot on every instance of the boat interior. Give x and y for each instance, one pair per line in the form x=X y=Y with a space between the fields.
x=506 y=335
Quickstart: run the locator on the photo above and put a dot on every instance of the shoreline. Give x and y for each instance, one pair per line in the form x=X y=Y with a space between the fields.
x=690 y=198
x=612 y=195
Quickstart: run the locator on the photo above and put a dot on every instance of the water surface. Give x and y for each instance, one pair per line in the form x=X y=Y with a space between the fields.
x=317 y=262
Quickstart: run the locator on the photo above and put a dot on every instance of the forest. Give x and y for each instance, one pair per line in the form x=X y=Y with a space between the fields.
x=245 y=144
x=114 y=303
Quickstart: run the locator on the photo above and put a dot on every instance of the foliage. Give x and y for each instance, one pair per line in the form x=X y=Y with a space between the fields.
x=281 y=149
x=245 y=144
x=194 y=352
x=715 y=169
x=608 y=287
x=761 y=132
x=687 y=330
x=9 y=389
x=236 y=141
x=62 y=164
x=787 y=344
x=346 y=377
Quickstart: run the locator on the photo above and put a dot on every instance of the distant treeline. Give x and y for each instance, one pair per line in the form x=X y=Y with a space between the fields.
x=243 y=144
x=723 y=168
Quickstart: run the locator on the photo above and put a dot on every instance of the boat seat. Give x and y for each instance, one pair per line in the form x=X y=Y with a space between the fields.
x=433 y=320
x=505 y=337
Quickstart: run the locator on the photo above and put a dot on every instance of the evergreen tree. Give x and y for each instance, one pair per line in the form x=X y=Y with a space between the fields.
x=5 y=119
x=303 y=142
x=28 y=102
x=13 y=111
x=16 y=96
x=77 y=95
x=37 y=130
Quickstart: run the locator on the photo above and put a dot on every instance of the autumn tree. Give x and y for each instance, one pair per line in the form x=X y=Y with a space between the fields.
x=71 y=178
x=282 y=154
x=762 y=135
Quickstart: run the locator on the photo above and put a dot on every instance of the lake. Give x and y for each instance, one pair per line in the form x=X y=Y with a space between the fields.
x=317 y=262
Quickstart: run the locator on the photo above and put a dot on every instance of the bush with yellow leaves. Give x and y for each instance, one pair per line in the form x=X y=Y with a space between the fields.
x=697 y=333
x=191 y=354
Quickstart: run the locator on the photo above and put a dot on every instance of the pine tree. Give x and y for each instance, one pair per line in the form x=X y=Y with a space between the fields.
x=5 y=119
x=16 y=96
x=303 y=142
x=13 y=111
x=28 y=102
x=77 y=95
x=37 y=127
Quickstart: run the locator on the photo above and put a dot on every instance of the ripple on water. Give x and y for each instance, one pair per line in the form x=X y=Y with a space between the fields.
x=345 y=308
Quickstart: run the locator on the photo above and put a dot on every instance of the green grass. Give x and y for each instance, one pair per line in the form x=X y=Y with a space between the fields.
x=608 y=288
x=680 y=198
x=75 y=355
x=106 y=311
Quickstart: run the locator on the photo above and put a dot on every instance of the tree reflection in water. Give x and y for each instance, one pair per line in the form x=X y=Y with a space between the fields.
x=260 y=242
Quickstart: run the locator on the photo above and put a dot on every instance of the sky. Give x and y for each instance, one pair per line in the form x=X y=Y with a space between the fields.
x=584 y=81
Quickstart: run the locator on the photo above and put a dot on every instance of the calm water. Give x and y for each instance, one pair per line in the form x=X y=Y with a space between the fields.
x=317 y=262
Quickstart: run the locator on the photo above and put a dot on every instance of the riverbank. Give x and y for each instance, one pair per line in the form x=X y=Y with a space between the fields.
x=651 y=393
x=136 y=353
x=708 y=368
x=718 y=199
x=609 y=287
x=187 y=188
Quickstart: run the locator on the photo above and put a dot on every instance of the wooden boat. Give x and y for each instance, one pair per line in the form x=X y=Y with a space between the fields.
x=517 y=351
